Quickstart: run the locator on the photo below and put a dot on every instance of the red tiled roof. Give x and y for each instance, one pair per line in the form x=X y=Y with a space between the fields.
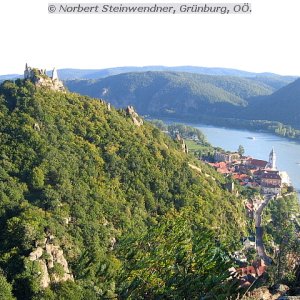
x=223 y=170
x=247 y=270
x=240 y=176
x=258 y=163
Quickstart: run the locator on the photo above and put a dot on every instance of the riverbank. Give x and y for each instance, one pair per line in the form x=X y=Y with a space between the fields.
x=265 y=126
x=288 y=151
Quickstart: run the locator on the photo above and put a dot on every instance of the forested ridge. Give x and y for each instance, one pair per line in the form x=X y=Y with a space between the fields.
x=177 y=92
x=269 y=103
x=133 y=220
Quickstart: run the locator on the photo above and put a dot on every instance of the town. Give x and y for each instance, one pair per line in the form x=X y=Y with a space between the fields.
x=253 y=173
x=264 y=182
x=263 y=176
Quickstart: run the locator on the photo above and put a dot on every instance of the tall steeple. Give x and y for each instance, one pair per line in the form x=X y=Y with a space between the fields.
x=272 y=160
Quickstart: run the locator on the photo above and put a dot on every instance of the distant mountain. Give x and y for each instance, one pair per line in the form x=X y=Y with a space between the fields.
x=9 y=76
x=282 y=106
x=277 y=81
x=96 y=74
x=66 y=74
x=173 y=92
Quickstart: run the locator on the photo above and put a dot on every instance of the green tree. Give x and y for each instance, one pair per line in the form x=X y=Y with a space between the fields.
x=38 y=178
x=90 y=178
x=174 y=261
x=5 y=289
x=283 y=229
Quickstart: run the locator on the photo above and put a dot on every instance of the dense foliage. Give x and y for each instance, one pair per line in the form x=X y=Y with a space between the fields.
x=282 y=106
x=219 y=100
x=185 y=131
x=170 y=262
x=282 y=238
x=173 y=92
x=76 y=170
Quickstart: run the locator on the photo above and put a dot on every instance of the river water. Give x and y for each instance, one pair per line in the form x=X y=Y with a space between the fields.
x=258 y=145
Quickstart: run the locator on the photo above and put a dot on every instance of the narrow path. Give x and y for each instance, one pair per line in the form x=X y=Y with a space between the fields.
x=260 y=248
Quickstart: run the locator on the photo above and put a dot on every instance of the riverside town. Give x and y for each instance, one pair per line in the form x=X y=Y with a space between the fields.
x=98 y=203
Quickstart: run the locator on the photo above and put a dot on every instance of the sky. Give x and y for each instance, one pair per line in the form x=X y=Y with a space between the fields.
x=265 y=41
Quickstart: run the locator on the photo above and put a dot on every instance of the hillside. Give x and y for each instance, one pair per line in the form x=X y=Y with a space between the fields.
x=274 y=81
x=175 y=93
x=282 y=106
x=254 y=103
x=91 y=203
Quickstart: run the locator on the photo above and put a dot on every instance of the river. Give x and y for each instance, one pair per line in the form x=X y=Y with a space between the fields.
x=287 y=151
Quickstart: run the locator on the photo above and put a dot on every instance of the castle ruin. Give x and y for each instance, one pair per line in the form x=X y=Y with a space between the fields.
x=40 y=78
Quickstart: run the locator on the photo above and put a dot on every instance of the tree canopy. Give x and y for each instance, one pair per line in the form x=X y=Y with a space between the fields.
x=83 y=173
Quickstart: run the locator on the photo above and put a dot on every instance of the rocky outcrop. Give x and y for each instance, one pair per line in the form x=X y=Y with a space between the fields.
x=276 y=292
x=45 y=277
x=137 y=120
x=53 y=265
x=40 y=78
x=108 y=107
x=52 y=84
x=36 y=127
x=184 y=147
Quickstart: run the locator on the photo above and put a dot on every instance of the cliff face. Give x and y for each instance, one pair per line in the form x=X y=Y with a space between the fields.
x=52 y=84
x=53 y=265
x=137 y=120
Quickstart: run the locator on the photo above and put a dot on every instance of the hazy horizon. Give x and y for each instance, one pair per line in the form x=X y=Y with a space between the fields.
x=147 y=66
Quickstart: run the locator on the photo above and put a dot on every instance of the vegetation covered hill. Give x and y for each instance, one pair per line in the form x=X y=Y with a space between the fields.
x=274 y=81
x=87 y=195
x=253 y=103
x=282 y=106
x=173 y=92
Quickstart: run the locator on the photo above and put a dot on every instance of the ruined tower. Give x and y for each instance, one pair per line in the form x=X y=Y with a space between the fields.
x=27 y=72
x=39 y=78
x=54 y=74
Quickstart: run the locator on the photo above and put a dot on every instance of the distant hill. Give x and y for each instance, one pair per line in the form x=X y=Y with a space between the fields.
x=173 y=92
x=66 y=74
x=9 y=76
x=96 y=74
x=274 y=81
x=282 y=106
x=277 y=81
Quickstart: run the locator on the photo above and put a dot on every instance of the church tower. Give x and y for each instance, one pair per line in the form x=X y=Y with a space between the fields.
x=272 y=160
